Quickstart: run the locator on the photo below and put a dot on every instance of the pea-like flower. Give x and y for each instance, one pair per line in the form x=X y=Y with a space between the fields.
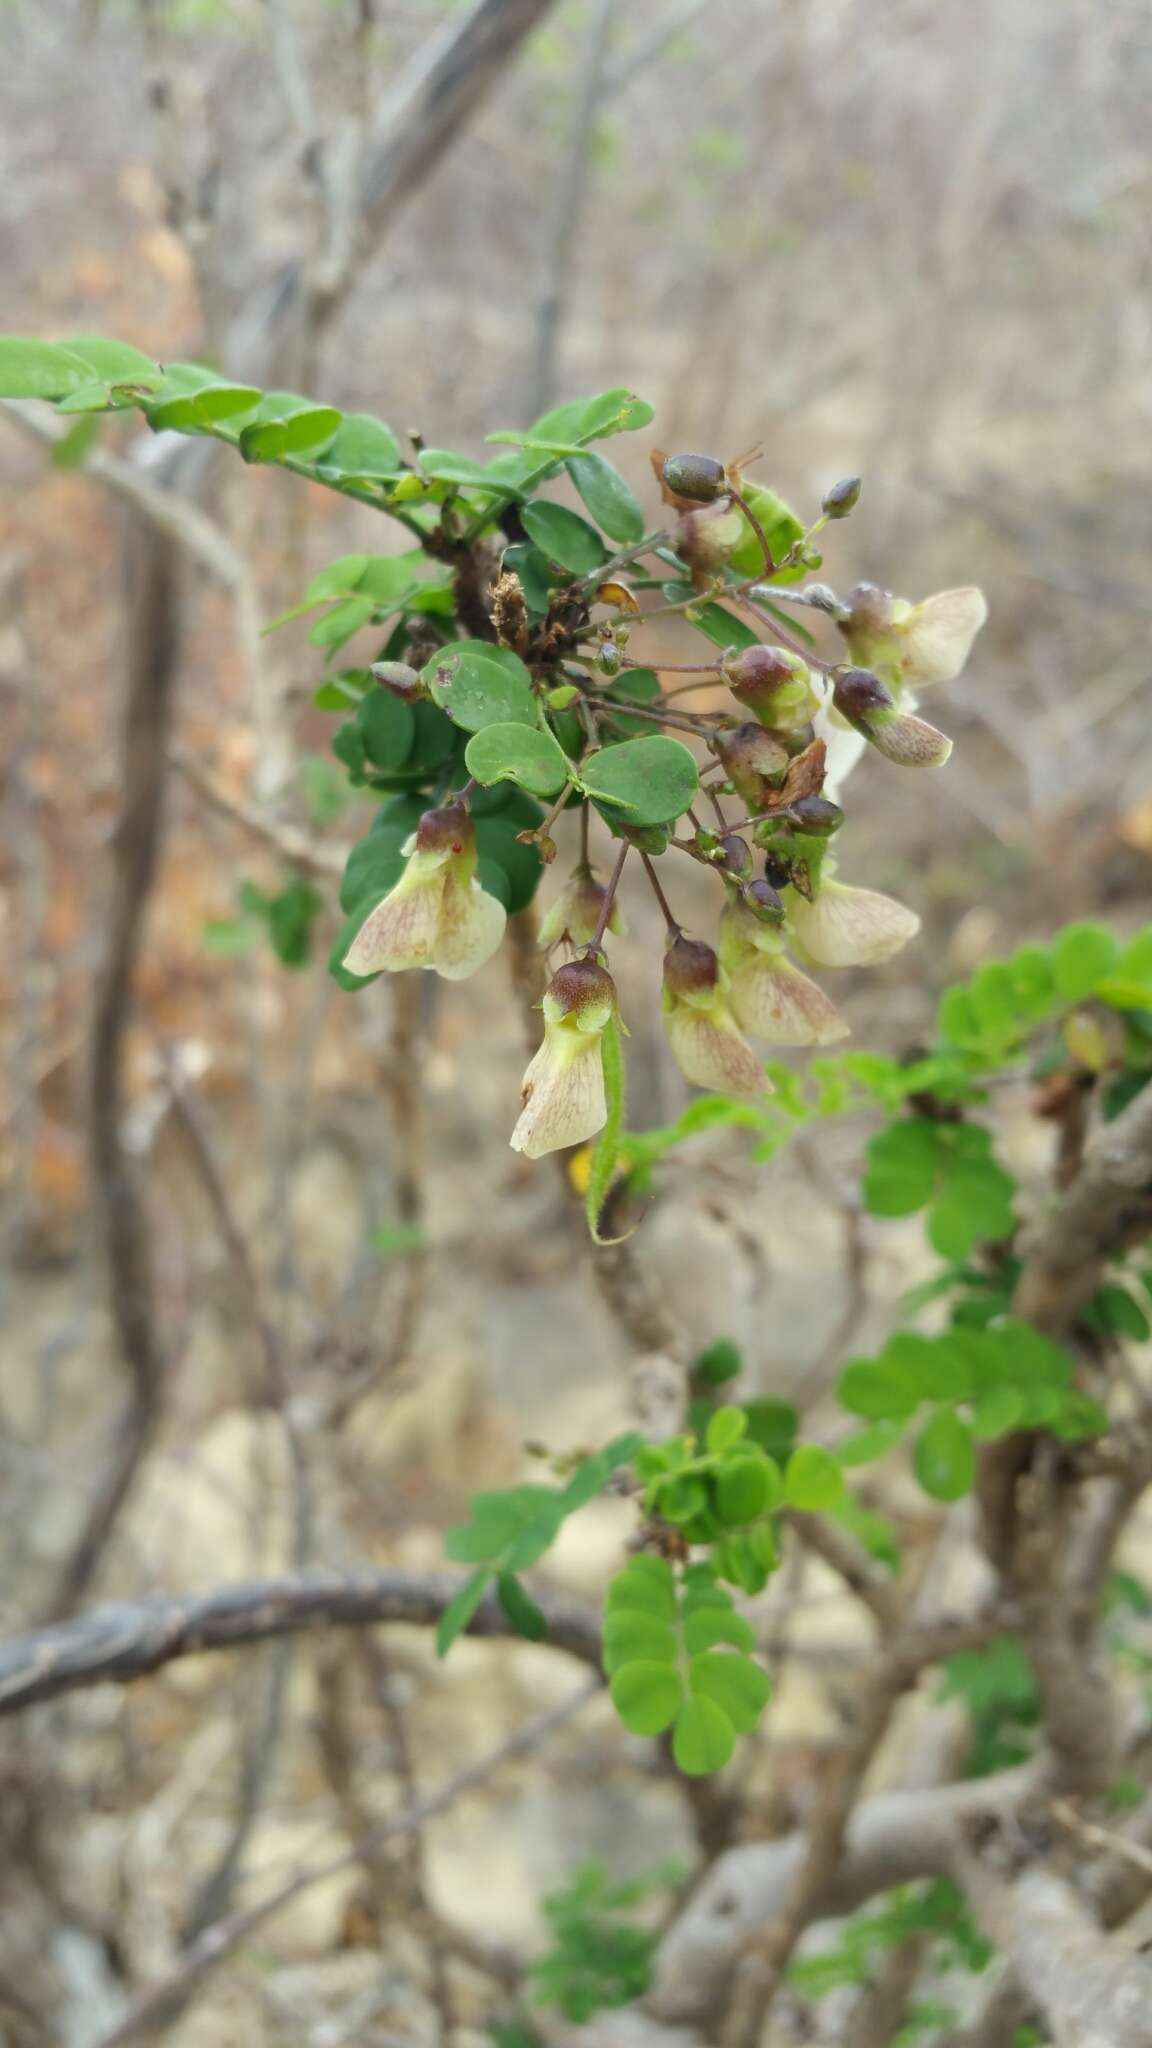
x=866 y=703
x=707 y=1044
x=846 y=927
x=770 y=997
x=563 y=1087
x=575 y=915
x=910 y=646
x=436 y=915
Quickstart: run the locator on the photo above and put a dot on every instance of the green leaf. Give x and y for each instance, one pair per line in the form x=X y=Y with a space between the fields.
x=645 y=1586
x=610 y=501
x=737 y=1685
x=478 y=685
x=388 y=727
x=593 y=419
x=38 y=369
x=653 y=780
x=93 y=397
x=631 y=1637
x=363 y=447
x=1113 y=1308
x=746 y=1489
x=720 y=1363
x=520 y=754
x=602 y=1169
x=635 y=686
x=345 y=620
x=879 y=1389
x=460 y=1610
x=974 y=1206
x=647 y=1697
x=115 y=363
x=72 y=450
x=444 y=466
x=812 y=1479
x=1082 y=955
x=726 y=1428
x=523 y=1613
x=563 y=537
x=996 y=1412
x=722 y=627
x=945 y=1456
x=287 y=425
x=198 y=412
x=703 y=1739
x=592 y=1474
x=497 y=843
x=903 y=1163
x=707 y=1626
x=781 y=529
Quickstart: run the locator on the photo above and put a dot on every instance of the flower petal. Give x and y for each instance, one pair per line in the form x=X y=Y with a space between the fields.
x=711 y=1051
x=471 y=928
x=851 y=927
x=775 y=1002
x=403 y=930
x=937 y=638
x=563 y=1093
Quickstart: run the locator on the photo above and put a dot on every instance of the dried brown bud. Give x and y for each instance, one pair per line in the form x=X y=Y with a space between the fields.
x=755 y=762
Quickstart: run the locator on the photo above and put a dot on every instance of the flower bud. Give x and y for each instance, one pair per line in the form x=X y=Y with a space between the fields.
x=754 y=761
x=706 y=539
x=733 y=857
x=699 y=477
x=842 y=498
x=403 y=682
x=816 y=816
x=860 y=697
x=774 y=683
x=765 y=902
x=608 y=658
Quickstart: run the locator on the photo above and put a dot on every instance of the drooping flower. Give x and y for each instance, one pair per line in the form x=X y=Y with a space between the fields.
x=575 y=915
x=910 y=646
x=859 y=696
x=563 y=1087
x=846 y=927
x=770 y=997
x=436 y=915
x=707 y=1043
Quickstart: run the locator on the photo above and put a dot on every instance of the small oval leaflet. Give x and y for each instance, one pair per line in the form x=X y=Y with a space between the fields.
x=518 y=753
x=478 y=685
x=645 y=782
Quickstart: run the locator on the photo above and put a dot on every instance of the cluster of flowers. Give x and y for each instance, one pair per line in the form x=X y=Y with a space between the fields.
x=714 y=999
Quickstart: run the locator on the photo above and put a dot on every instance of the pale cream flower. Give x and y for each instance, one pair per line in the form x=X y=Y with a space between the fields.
x=770 y=997
x=575 y=915
x=910 y=646
x=436 y=915
x=848 y=927
x=563 y=1088
x=707 y=1044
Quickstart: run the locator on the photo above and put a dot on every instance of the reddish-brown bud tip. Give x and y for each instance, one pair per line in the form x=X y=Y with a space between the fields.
x=690 y=967
x=858 y=694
